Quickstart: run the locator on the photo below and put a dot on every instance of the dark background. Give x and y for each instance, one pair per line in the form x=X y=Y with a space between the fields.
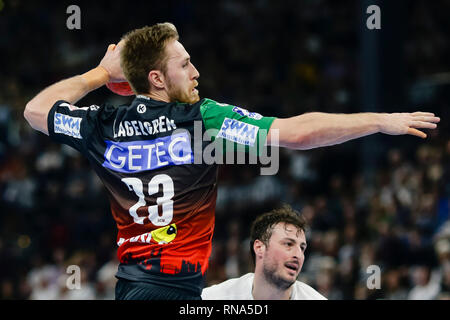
x=380 y=200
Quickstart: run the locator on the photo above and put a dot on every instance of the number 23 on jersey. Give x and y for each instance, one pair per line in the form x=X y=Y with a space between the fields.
x=165 y=201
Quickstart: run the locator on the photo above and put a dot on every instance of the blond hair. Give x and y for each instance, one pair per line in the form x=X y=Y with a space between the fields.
x=143 y=51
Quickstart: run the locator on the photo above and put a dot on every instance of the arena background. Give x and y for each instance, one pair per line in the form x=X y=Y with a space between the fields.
x=380 y=200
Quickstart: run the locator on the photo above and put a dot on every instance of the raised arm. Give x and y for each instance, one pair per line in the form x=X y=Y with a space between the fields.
x=316 y=129
x=73 y=89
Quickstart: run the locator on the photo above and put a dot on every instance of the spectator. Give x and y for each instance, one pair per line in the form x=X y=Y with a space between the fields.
x=425 y=286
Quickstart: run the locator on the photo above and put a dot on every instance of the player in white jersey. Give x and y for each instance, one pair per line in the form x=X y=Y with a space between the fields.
x=278 y=245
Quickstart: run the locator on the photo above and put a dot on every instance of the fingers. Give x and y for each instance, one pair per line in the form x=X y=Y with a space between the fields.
x=422 y=120
x=111 y=47
x=417 y=133
x=423 y=125
x=426 y=114
x=409 y=123
x=432 y=119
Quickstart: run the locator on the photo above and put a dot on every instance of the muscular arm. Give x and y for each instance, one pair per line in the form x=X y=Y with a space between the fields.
x=316 y=129
x=73 y=89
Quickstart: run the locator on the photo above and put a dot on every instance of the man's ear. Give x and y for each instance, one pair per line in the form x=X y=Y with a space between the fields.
x=156 y=79
x=259 y=247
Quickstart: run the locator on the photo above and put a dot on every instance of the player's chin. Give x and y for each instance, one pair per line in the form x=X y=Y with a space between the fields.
x=191 y=98
x=289 y=279
x=194 y=97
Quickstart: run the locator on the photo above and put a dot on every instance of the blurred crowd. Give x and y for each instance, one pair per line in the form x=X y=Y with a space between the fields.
x=276 y=58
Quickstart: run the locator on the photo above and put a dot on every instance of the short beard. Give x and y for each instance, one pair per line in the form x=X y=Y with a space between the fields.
x=278 y=282
x=176 y=94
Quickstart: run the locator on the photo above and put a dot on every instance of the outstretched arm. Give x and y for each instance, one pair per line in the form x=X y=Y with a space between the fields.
x=73 y=89
x=316 y=129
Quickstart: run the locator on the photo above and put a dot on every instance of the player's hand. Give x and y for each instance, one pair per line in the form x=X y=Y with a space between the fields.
x=111 y=62
x=408 y=123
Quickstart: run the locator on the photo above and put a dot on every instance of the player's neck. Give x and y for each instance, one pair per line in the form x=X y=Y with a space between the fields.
x=158 y=95
x=264 y=290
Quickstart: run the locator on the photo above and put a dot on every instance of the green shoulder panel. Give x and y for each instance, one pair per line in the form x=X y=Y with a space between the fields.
x=246 y=130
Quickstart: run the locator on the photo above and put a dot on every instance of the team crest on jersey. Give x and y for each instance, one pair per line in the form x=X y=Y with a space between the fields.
x=64 y=124
x=238 y=131
x=246 y=113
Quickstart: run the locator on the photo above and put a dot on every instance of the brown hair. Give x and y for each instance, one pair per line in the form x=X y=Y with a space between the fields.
x=143 y=51
x=263 y=225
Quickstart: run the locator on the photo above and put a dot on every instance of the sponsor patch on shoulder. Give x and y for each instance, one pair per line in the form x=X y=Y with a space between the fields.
x=67 y=125
x=246 y=113
x=238 y=131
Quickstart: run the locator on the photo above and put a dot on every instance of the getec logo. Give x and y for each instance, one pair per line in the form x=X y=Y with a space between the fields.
x=141 y=155
x=238 y=131
x=67 y=125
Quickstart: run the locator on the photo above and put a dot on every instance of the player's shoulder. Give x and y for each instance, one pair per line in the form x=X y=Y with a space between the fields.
x=206 y=103
x=142 y=103
x=303 y=291
x=231 y=283
x=231 y=289
x=67 y=107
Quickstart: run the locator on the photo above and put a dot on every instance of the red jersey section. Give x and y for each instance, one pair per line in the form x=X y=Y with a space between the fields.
x=184 y=246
